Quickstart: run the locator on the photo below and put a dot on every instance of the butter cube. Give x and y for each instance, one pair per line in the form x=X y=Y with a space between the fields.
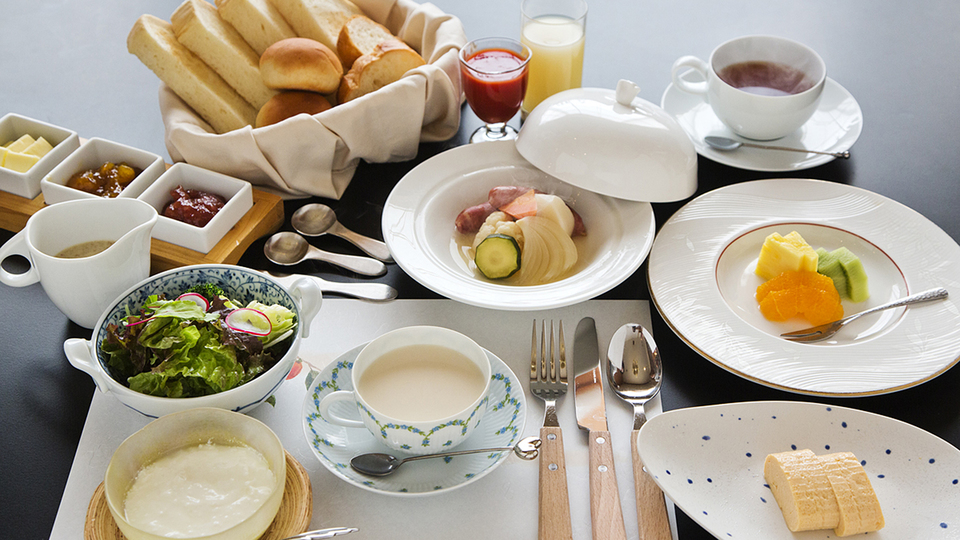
x=18 y=162
x=3 y=154
x=21 y=144
x=39 y=148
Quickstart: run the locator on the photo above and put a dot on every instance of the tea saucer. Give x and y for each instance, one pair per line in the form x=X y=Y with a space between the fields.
x=335 y=445
x=834 y=127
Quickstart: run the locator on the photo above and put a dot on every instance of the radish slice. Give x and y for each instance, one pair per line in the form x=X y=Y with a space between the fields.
x=197 y=299
x=249 y=320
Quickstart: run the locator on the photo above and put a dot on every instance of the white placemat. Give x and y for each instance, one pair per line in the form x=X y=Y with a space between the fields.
x=501 y=505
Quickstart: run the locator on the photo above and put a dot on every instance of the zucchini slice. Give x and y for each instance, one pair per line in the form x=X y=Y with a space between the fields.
x=498 y=256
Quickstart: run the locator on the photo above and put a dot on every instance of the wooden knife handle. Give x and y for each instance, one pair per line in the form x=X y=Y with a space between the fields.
x=554 y=521
x=605 y=511
x=652 y=516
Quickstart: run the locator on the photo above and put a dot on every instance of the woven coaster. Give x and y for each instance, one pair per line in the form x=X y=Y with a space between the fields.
x=296 y=509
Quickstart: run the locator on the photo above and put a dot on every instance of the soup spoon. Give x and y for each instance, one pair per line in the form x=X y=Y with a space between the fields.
x=376 y=464
x=634 y=371
x=726 y=144
x=321 y=534
x=287 y=249
x=319 y=219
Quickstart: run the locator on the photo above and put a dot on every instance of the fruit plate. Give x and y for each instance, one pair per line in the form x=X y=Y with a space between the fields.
x=701 y=280
x=709 y=462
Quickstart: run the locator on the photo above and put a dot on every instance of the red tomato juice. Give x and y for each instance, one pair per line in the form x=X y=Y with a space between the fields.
x=494 y=83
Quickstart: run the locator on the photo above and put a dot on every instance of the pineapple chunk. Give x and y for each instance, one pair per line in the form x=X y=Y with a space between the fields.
x=785 y=253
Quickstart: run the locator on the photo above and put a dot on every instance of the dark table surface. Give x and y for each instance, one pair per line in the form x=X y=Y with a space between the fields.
x=899 y=60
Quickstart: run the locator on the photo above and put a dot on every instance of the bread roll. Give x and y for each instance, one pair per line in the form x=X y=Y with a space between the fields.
x=152 y=41
x=389 y=61
x=301 y=64
x=260 y=24
x=290 y=103
x=320 y=20
x=359 y=36
x=199 y=27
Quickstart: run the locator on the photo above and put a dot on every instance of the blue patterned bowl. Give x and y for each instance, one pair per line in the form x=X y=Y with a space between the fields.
x=241 y=284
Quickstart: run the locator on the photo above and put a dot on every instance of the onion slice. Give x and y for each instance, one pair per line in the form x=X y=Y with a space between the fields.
x=197 y=299
x=250 y=321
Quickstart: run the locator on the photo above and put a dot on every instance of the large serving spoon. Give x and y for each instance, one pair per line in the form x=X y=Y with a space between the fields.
x=634 y=371
x=317 y=219
x=377 y=292
x=727 y=144
x=287 y=249
x=826 y=331
x=377 y=464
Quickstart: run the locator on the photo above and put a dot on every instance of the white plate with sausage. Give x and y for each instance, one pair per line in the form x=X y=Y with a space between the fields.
x=419 y=228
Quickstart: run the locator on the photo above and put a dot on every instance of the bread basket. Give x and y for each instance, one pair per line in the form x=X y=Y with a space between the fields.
x=317 y=155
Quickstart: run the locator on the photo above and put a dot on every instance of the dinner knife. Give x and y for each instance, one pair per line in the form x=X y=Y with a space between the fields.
x=606 y=514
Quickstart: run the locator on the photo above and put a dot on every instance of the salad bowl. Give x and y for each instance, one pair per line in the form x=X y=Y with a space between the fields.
x=242 y=286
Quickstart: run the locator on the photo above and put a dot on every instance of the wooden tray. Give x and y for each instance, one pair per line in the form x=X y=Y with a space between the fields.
x=294 y=515
x=265 y=217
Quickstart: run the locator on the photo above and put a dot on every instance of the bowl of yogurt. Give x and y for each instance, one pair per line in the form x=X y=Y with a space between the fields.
x=201 y=473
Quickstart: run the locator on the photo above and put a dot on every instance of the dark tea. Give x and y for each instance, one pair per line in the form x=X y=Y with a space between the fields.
x=766 y=78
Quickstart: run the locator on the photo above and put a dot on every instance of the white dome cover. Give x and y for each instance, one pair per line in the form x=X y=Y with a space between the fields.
x=611 y=143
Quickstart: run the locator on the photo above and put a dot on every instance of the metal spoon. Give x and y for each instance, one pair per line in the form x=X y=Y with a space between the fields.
x=287 y=248
x=321 y=534
x=377 y=464
x=634 y=371
x=318 y=219
x=725 y=144
x=377 y=292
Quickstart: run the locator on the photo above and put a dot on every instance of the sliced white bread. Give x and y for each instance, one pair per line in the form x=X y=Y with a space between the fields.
x=260 y=24
x=360 y=35
x=152 y=41
x=319 y=20
x=200 y=28
x=389 y=61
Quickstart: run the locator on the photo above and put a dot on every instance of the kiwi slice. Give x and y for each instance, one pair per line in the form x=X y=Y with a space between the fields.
x=857 y=286
x=828 y=264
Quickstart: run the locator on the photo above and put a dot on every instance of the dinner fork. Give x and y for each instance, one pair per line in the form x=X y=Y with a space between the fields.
x=548 y=381
x=826 y=331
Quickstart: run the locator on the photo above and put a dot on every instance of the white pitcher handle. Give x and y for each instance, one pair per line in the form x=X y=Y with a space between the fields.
x=18 y=246
x=336 y=397
x=307 y=293
x=695 y=64
x=80 y=354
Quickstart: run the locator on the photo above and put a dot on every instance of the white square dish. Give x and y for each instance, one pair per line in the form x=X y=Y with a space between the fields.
x=64 y=142
x=91 y=155
x=238 y=193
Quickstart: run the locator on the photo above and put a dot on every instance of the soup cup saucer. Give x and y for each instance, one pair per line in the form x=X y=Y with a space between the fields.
x=834 y=127
x=334 y=445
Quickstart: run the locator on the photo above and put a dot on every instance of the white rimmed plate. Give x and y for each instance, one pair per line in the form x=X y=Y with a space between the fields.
x=834 y=127
x=335 y=445
x=418 y=227
x=701 y=280
x=709 y=461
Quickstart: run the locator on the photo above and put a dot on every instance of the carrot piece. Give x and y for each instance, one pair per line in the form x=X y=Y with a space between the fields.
x=521 y=207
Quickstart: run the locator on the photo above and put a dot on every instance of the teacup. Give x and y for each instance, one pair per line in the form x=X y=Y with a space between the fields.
x=418 y=389
x=84 y=253
x=761 y=87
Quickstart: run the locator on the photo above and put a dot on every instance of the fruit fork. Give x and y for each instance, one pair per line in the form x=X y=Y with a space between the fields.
x=548 y=381
x=826 y=331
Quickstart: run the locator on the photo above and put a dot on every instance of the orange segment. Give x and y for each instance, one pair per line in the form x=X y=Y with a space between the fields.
x=800 y=293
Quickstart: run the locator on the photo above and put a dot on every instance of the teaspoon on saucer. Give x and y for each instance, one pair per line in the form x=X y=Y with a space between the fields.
x=377 y=464
x=727 y=144
x=319 y=219
x=287 y=249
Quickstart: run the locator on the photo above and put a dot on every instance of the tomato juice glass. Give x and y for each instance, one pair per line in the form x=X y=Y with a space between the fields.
x=493 y=73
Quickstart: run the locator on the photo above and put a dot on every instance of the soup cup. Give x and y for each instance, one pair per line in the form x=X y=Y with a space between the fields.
x=434 y=424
